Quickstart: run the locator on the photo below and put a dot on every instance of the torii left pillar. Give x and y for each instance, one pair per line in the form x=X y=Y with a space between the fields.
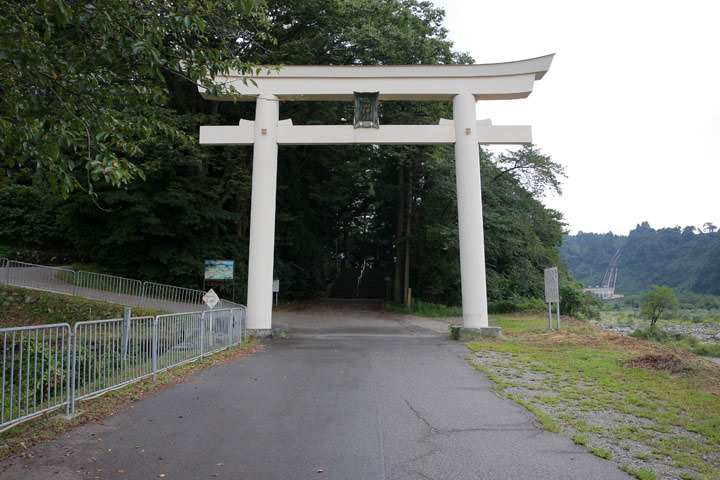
x=262 y=213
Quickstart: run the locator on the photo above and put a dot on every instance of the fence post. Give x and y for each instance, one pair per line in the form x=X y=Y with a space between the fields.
x=155 y=347
x=71 y=371
x=202 y=333
x=73 y=335
x=231 y=322
x=125 y=333
x=74 y=279
x=244 y=324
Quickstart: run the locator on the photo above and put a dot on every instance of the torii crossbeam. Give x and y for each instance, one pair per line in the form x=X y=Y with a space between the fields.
x=463 y=84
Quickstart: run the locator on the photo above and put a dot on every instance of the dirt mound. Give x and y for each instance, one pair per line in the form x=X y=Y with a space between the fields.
x=667 y=363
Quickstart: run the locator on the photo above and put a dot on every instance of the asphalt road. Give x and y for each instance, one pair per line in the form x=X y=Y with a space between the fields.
x=352 y=393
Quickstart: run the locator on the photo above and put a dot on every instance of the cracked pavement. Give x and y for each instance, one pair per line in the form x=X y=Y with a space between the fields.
x=352 y=393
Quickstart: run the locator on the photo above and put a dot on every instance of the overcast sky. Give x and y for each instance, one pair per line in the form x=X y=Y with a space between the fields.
x=630 y=106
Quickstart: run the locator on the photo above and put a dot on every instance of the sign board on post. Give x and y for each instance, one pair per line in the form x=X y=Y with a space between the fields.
x=276 y=289
x=552 y=290
x=211 y=298
x=219 y=269
x=552 y=293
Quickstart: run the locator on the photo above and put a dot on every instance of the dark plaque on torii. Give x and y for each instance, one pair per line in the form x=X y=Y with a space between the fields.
x=366 y=110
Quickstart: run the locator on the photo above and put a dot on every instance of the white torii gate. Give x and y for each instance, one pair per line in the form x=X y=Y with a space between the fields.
x=464 y=84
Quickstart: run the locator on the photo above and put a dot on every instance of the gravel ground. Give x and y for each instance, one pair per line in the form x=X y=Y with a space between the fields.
x=708 y=332
x=534 y=385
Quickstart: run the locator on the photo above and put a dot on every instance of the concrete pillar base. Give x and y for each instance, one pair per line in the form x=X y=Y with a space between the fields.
x=466 y=333
x=260 y=332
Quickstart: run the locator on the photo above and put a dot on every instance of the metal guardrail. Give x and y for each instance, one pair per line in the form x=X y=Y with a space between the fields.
x=100 y=286
x=39 y=277
x=47 y=367
x=185 y=337
x=110 y=353
x=35 y=371
x=170 y=294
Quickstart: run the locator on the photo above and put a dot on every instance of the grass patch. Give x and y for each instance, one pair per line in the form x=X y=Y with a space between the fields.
x=660 y=398
x=601 y=452
x=421 y=308
x=22 y=307
x=642 y=473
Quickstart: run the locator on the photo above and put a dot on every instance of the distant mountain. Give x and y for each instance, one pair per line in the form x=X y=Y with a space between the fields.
x=681 y=258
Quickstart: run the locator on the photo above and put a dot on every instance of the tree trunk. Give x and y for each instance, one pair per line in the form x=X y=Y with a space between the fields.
x=347 y=245
x=408 y=226
x=398 y=280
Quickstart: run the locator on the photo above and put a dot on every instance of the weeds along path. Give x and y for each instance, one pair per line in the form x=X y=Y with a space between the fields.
x=650 y=408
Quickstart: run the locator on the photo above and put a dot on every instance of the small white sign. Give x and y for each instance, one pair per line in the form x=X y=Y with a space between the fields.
x=211 y=298
x=552 y=290
x=276 y=285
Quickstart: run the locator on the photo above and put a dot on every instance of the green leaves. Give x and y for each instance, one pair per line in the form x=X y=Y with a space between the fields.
x=535 y=171
x=659 y=300
x=84 y=83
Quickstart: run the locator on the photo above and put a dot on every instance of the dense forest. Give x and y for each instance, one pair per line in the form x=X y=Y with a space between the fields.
x=120 y=180
x=686 y=259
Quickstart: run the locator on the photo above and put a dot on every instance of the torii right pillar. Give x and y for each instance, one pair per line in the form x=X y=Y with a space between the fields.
x=470 y=218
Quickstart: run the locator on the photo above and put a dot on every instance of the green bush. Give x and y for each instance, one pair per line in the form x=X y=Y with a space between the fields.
x=707 y=350
x=30 y=227
x=655 y=334
x=679 y=340
x=35 y=370
x=502 y=306
x=517 y=305
x=577 y=303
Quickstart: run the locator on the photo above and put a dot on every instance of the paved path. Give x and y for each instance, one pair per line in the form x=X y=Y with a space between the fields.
x=351 y=394
x=47 y=279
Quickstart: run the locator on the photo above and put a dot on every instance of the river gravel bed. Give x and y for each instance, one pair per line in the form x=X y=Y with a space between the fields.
x=705 y=332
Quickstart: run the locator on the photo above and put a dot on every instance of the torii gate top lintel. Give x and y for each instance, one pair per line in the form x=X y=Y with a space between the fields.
x=493 y=81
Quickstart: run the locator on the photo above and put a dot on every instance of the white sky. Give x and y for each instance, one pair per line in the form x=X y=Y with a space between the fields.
x=630 y=106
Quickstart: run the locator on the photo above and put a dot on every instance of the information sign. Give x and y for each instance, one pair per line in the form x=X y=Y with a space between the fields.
x=219 y=269
x=552 y=290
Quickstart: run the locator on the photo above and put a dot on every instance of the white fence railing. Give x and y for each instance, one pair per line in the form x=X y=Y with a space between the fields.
x=100 y=286
x=48 y=367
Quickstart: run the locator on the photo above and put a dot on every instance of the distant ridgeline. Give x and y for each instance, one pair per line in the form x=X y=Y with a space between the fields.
x=682 y=258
